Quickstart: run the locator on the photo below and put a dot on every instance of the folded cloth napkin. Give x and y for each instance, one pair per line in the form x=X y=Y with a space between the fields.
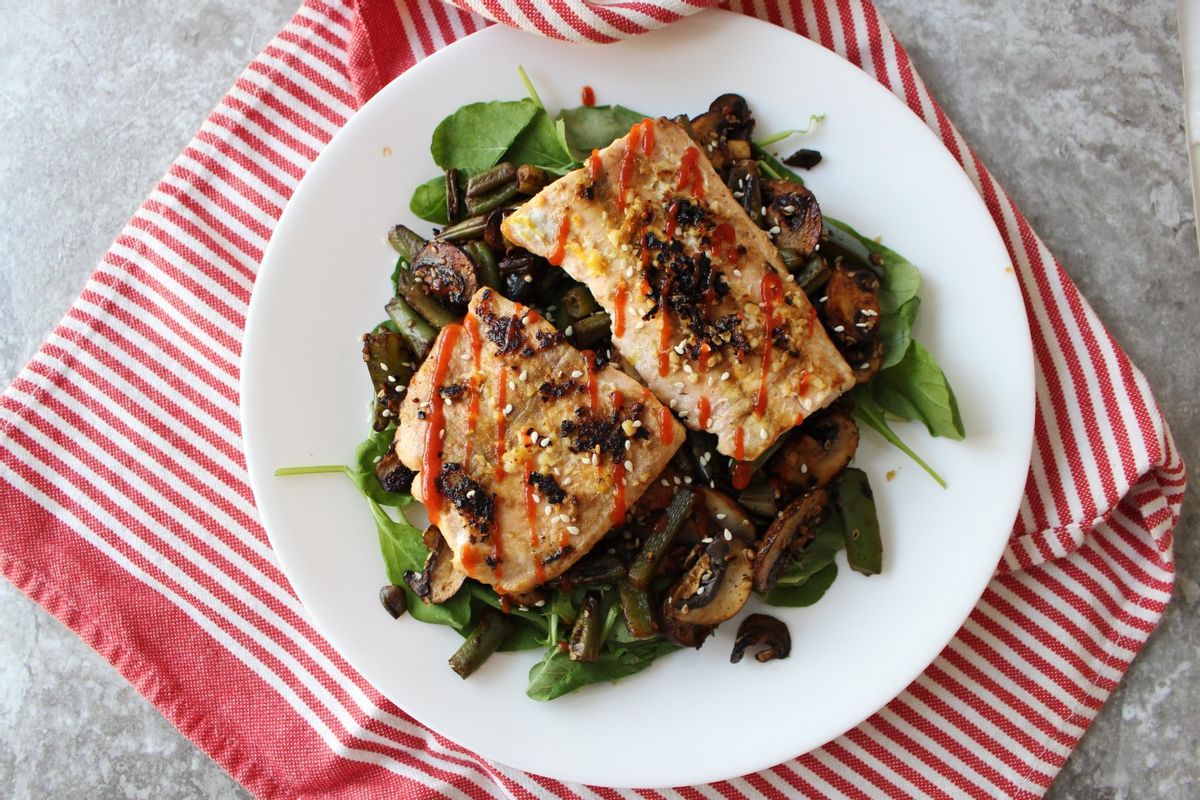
x=127 y=512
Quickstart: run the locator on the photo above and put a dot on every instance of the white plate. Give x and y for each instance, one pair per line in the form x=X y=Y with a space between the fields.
x=692 y=717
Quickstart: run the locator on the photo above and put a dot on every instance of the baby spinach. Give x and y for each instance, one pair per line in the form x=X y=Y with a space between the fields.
x=586 y=128
x=540 y=146
x=478 y=135
x=806 y=593
x=429 y=201
x=556 y=674
x=869 y=412
x=917 y=389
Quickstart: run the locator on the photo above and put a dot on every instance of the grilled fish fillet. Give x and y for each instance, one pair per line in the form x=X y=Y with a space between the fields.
x=701 y=303
x=526 y=454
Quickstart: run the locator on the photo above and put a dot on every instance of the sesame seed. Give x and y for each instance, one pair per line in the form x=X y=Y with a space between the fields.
x=595 y=459
x=763 y=211
x=625 y=247
x=637 y=423
x=822 y=299
x=839 y=328
x=540 y=603
x=524 y=374
x=442 y=433
x=860 y=324
x=774 y=231
x=865 y=365
x=569 y=331
x=803 y=468
x=545 y=442
x=789 y=209
x=665 y=482
x=687 y=368
x=728 y=535
x=699 y=590
x=678 y=384
x=387 y=412
x=868 y=312
x=724 y=376
x=512 y=386
x=571 y=529
x=791 y=278
x=706 y=540
x=629 y=272
x=687 y=479
x=576 y=374
x=391 y=378
x=629 y=466
x=739 y=195
x=470 y=494
x=737 y=273
x=628 y=444
x=548 y=510
x=762 y=434
x=529 y=279
x=721 y=516
x=537 y=498
x=508 y=409
x=677 y=481
x=566 y=481
x=563 y=518
x=383 y=365
x=400 y=389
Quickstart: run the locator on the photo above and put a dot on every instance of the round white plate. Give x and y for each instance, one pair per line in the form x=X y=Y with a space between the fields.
x=692 y=717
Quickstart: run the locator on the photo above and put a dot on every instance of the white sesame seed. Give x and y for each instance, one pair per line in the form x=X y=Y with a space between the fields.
x=524 y=375
x=400 y=389
x=724 y=376
x=628 y=444
x=537 y=498
x=687 y=479
x=624 y=247
x=739 y=195
x=763 y=211
x=566 y=481
x=774 y=231
x=791 y=278
x=687 y=368
x=677 y=481
x=789 y=209
x=470 y=494
x=508 y=409
x=803 y=468
x=762 y=434
x=512 y=386
x=868 y=312
x=571 y=529
x=569 y=331
x=737 y=273
x=629 y=466
x=548 y=510
x=721 y=516
x=665 y=482
x=822 y=299
x=391 y=378
x=678 y=384
x=839 y=328
x=529 y=279
x=629 y=272
x=576 y=374
x=387 y=412
x=540 y=603
x=545 y=442
x=442 y=433
x=383 y=365
x=728 y=535
x=595 y=459
x=637 y=423
x=865 y=365
x=860 y=324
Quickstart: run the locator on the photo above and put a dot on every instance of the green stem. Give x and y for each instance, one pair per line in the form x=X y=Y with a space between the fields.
x=771 y=173
x=813 y=121
x=533 y=95
x=876 y=420
x=317 y=470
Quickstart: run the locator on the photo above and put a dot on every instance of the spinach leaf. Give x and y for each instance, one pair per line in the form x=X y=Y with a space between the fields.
x=362 y=473
x=868 y=411
x=895 y=330
x=429 y=201
x=477 y=135
x=539 y=145
x=806 y=593
x=817 y=554
x=556 y=674
x=917 y=389
x=587 y=128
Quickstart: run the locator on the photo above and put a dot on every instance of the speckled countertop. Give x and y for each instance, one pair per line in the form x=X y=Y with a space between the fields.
x=1075 y=107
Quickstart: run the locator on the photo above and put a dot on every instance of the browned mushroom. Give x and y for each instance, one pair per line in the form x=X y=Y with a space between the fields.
x=393 y=476
x=815 y=454
x=852 y=315
x=393 y=599
x=793 y=217
x=446 y=272
x=727 y=515
x=794 y=522
x=438 y=580
x=724 y=130
x=716 y=585
x=681 y=633
x=768 y=634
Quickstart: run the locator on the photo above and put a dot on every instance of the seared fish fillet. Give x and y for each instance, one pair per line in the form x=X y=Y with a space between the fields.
x=526 y=454
x=701 y=303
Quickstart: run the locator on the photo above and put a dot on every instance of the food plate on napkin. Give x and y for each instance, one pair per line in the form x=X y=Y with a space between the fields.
x=693 y=717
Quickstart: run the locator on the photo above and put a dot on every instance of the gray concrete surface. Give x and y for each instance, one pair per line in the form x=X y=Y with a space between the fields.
x=1075 y=106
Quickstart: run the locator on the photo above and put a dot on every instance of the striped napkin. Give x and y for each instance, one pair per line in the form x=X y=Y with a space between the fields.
x=127 y=512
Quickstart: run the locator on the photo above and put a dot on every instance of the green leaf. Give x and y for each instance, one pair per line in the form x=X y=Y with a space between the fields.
x=917 y=389
x=588 y=128
x=429 y=201
x=556 y=674
x=818 y=553
x=539 y=145
x=901 y=279
x=895 y=329
x=866 y=410
x=362 y=472
x=477 y=135
x=806 y=593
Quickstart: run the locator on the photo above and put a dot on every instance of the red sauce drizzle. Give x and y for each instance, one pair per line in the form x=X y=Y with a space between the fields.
x=812 y=319
x=771 y=291
x=723 y=234
x=618 y=512
x=501 y=401
x=593 y=389
x=672 y=219
x=505 y=603
x=799 y=419
x=705 y=412
x=431 y=459
x=689 y=172
x=531 y=517
x=802 y=385
x=702 y=361
x=741 y=468
x=631 y=145
x=594 y=166
x=470 y=559
x=471 y=323
x=560 y=244
x=619 y=310
x=664 y=342
x=666 y=423
x=647 y=135
x=587 y=96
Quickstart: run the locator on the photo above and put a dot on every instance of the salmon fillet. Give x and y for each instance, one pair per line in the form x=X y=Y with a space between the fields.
x=526 y=454
x=702 y=305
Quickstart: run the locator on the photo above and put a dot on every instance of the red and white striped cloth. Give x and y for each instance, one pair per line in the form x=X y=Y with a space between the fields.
x=127 y=513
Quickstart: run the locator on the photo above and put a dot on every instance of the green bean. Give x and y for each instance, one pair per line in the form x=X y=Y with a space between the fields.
x=635 y=607
x=389 y=363
x=860 y=523
x=485 y=263
x=759 y=499
x=490 y=179
x=490 y=633
x=482 y=204
x=531 y=179
x=469 y=228
x=585 y=635
x=405 y=242
x=792 y=259
x=836 y=242
x=645 y=564
x=422 y=302
x=577 y=302
x=813 y=274
x=591 y=330
x=454 y=198
x=594 y=570
x=418 y=333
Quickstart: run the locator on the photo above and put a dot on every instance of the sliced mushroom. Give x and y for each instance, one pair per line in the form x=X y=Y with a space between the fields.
x=392 y=475
x=816 y=453
x=394 y=600
x=794 y=522
x=794 y=211
x=852 y=315
x=681 y=633
x=765 y=632
x=728 y=515
x=727 y=120
x=445 y=271
x=438 y=580
x=594 y=569
x=716 y=586
x=745 y=181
